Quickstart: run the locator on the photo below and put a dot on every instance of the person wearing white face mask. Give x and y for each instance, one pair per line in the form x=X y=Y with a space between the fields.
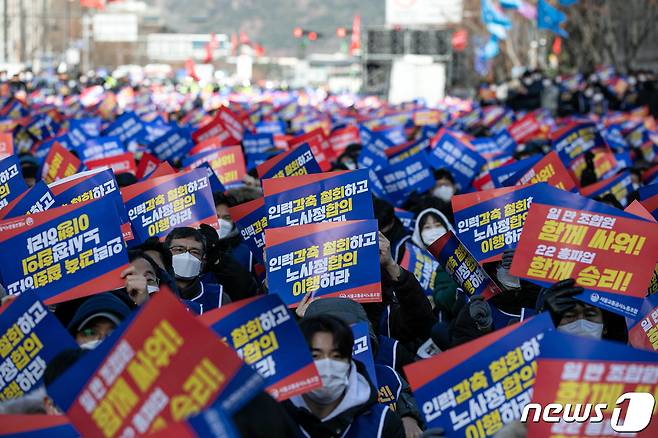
x=96 y=318
x=444 y=186
x=188 y=252
x=578 y=318
x=346 y=403
x=430 y=226
x=230 y=241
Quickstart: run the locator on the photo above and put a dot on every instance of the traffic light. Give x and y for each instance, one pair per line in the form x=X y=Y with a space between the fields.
x=341 y=32
x=298 y=32
x=312 y=36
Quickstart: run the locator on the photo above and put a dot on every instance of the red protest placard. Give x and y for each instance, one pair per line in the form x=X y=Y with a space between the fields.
x=549 y=169
x=227 y=163
x=214 y=128
x=147 y=164
x=122 y=163
x=340 y=139
x=319 y=144
x=601 y=252
x=525 y=128
x=163 y=169
x=6 y=145
x=206 y=145
x=165 y=367
x=59 y=164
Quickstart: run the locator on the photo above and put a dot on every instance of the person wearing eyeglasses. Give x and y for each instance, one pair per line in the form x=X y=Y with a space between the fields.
x=97 y=318
x=188 y=255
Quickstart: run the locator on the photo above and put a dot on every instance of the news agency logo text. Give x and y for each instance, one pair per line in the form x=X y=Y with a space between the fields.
x=638 y=412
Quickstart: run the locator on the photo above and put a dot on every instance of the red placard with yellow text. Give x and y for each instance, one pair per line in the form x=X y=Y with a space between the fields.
x=59 y=164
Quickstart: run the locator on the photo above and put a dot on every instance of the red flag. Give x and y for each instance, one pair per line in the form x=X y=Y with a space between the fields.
x=234 y=43
x=355 y=44
x=557 y=45
x=191 y=72
x=459 y=40
x=259 y=50
x=210 y=48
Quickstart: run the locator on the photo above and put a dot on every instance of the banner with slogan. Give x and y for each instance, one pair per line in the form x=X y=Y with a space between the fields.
x=643 y=331
x=319 y=144
x=257 y=143
x=405 y=150
x=63 y=253
x=34 y=200
x=476 y=388
x=100 y=147
x=550 y=170
x=575 y=139
x=463 y=162
x=12 y=183
x=6 y=145
x=330 y=259
x=620 y=186
x=401 y=179
x=362 y=350
x=371 y=158
x=298 y=161
x=172 y=145
x=30 y=336
x=590 y=371
x=612 y=257
x=462 y=267
x=128 y=127
x=267 y=338
x=421 y=263
x=251 y=219
x=92 y=184
x=159 y=367
x=158 y=205
x=227 y=162
x=489 y=226
x=231 y=121
x=524 y=129
x=36 y=426
x=501 y=175
x=121 y=163
x=214 y=129
x=343 y=137
x=322 y=197
x=59 y=163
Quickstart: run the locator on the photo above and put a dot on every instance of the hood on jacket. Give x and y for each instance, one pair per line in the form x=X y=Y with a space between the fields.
x=359 y=396
x=416 y=238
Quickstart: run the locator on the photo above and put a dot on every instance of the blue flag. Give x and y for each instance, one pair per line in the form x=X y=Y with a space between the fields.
x=490 y=14
x=550 y=18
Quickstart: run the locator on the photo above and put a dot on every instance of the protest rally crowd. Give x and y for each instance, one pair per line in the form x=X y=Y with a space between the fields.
x=265 y=263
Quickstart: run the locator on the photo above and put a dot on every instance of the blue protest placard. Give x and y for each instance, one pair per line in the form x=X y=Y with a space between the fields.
x=420 y=262
x=251 y=219
x=100 y=147
x=463 y=162
x=30 y=336
x=128 y=126
x=575 y=139
x=410 y=175
x=38 y=198
x=489 y=227
x=158 y=205
x=257 y=143
x=324 y=197
x=12 y=183
x=462 y=267
x=63 y=253
x=407 y=218
x=299 y=161
x=502 y=175
x=172 y=145
x=215 y=183
x=266 y=337
x=339 y=259
x=620 y=186
x=362 y=350
x=92 y=184
x=478 y=387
